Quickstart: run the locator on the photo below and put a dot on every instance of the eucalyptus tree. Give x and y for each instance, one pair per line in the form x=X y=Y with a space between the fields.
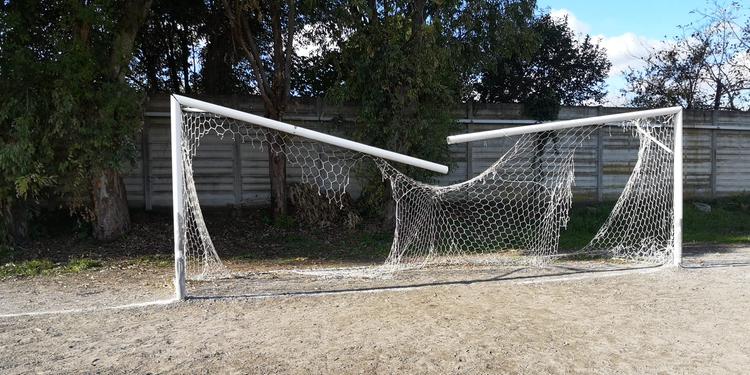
x=67 y=115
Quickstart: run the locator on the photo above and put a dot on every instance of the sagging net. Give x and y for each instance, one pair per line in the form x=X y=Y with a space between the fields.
x=515 y=211
x=324 y=167
x=511 y=214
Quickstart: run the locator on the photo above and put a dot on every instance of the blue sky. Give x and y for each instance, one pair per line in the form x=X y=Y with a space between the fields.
x=626 y=28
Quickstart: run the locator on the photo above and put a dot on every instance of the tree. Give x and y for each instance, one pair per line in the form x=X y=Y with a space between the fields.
x=263 y=33
x=403 y=63
x=672 y=76
x=707 y=67
x=521 y=56
x=386 y=58
x=68 y=116
x=393 y=68
x=496 y=51
x=185 y=48
x=109 y=199
x=168 y=45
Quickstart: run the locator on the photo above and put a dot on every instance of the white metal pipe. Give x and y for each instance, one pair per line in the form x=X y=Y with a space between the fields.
x=677 y=194
x=652 y=139
x=310 y=134
x=557 y=125
x=482 y=121
x=177 y=198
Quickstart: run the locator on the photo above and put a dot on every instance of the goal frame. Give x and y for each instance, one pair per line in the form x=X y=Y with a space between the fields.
x=177 y=102
x=677 y=175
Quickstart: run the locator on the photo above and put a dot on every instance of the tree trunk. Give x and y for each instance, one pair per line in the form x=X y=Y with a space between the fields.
x=717 y=95
x=110 y=205
x=15 y=222
x=275 y=92
x=109 y=200
x=277 y=172
x=19 y=213
x=389 y=211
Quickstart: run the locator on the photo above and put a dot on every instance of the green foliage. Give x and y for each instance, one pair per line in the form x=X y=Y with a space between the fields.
x=584 y=222
x=363 y=244
x=81 y=264
x=168 y=41
x=7 y=253
x=27 y=268
x=63 y=117
x=512 y=53
x=405 y=63
x=394 y=69
x=543 y=105
x=161 y=261
x=671 y=76
x=284 y=221
x=36 y=267
x=279 y=221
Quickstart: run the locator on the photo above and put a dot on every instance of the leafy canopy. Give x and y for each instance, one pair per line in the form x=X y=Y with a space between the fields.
x=707 y=67
x=62 y=116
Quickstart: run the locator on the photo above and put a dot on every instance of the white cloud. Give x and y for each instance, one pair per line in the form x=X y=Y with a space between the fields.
x=623 y=51
x=626 y=50
x=578 y=26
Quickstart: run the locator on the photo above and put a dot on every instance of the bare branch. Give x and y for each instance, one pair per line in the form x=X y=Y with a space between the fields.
x=290 y=31
x=243 y=35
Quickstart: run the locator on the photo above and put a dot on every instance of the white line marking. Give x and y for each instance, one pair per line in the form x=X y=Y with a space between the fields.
x=89 y=309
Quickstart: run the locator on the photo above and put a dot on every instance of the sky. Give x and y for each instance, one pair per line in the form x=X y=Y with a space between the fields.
x=627 y=29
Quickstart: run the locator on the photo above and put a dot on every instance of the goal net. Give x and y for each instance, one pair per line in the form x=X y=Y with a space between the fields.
x=325 y=162
x=512 y=213
x=515 y=210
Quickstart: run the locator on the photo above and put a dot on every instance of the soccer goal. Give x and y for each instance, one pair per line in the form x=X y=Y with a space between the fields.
x=325 y=162
x=511 y=214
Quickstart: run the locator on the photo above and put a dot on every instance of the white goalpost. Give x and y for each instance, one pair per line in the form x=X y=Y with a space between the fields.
x=513 y=213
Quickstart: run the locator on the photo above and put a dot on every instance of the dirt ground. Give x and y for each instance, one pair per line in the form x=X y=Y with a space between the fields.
x=568 y=318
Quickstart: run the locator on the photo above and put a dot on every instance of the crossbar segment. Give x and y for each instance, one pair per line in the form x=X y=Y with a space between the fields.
x=558 y=125
x=310 y=134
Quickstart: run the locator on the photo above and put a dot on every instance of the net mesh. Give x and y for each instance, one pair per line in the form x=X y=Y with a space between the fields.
x=322 y=166
x=512 y=213
x=515 y=211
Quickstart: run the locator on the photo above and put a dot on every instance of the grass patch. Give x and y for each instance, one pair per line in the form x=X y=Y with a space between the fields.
x=584 y=222
x=27 y=268
x=727 y=223
x=81 y=264
x=372 y=245
x=155 y=260
x=363 y=244
x=37 y=267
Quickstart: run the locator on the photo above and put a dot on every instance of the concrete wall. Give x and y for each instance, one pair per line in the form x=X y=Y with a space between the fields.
x=717 y=154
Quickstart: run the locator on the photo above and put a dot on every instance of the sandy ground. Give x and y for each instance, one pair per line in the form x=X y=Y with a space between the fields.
x=592 y=318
